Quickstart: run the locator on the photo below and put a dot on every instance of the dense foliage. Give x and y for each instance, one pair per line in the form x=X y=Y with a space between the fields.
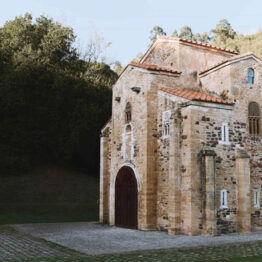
x=52 y=102
x=223 y=35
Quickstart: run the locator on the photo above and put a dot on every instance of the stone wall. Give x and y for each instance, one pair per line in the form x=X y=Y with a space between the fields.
x=165 y=102
x=188 y=58
x=242 y=94
x=175 y=176
x=205 y=128
x=164 y=53
x=138 y=148
x=105 y=167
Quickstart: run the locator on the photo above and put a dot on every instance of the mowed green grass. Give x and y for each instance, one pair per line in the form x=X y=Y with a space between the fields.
x=48 y=194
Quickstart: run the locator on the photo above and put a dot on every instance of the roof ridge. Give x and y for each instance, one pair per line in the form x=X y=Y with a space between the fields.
x=229 y=60
x=196 y=43
x=154 y=67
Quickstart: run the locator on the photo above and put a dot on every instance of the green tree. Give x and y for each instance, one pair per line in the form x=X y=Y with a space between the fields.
x=202 y=38
x=175 y=34
x=43 y=42
x=52 y=102
x=118 y=68
x=222 y=33
x=100 y=74
x=186 y=33
x=253 y=43
x=156 y=30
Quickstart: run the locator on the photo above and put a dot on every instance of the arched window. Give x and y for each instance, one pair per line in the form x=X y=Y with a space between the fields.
x=250 y=75
x=254 y=118
x=128 y=129
x=128 y=142
x=128 y=112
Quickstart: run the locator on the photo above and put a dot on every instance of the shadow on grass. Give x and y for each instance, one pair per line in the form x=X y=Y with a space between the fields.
x=21 y=213
x=48 y=194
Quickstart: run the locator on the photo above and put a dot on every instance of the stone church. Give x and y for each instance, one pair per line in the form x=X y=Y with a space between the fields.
x=183 y=150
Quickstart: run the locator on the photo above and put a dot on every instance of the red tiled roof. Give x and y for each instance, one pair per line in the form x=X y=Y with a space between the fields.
x=154 y=68
x=197 y=43
x=195 y=96
x=229 y=60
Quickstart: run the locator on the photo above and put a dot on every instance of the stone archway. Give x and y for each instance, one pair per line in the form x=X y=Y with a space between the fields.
x=126 y=198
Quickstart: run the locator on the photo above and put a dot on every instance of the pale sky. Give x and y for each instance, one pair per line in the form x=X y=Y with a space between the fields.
x=127 y=23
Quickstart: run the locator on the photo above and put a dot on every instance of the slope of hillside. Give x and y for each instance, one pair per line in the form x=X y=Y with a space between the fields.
x=49 y=194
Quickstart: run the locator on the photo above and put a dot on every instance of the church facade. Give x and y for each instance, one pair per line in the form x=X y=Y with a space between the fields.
x=183 y=149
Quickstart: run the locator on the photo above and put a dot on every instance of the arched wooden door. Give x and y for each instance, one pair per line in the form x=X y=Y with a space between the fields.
x=126 y=198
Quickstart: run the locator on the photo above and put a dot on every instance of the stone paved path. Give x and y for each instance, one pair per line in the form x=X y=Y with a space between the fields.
x=99 y=239
x=93 y=239
x=20 y=246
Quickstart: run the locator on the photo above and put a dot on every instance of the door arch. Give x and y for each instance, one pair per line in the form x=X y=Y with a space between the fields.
x=126 y=198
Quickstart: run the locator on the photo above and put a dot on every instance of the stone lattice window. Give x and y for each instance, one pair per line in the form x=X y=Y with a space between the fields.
x=224 y=134
x=166 y=123
x=128 y=112
x=250 y=75
x=254 y=118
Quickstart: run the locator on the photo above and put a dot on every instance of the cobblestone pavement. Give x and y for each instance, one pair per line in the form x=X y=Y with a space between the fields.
x=93 y=239
x=16 y=245
x=20 y=246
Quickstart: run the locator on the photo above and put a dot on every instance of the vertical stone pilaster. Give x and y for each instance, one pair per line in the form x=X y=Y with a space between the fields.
x=174 y=179
x=149 y=188
x=209 y=217
x=243 y=182
x=188 y=169
x=104 y=180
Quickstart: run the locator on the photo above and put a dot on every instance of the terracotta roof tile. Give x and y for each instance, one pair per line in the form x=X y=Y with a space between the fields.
x=197 y=43
x=195 y=96
x=229 y=60
x=154 y=67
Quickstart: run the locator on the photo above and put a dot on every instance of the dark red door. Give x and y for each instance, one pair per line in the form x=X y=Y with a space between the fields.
x=126 y=198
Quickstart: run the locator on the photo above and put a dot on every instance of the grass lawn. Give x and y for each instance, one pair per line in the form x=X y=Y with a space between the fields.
x=48 y=194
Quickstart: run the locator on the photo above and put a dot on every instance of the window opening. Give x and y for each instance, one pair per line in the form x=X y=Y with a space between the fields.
x=128 y=112
x=166 y=123
x=224 y=134
x=250 y=75
x=254 y=118
x=256 y=198
x=223 y=198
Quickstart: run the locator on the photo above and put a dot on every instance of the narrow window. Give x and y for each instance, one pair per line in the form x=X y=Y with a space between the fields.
x=166 y=123
x=250 y=75
x=253 y=118
x=256 y=198
x=128 y=115
x=224 y=134
x=223 y=198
